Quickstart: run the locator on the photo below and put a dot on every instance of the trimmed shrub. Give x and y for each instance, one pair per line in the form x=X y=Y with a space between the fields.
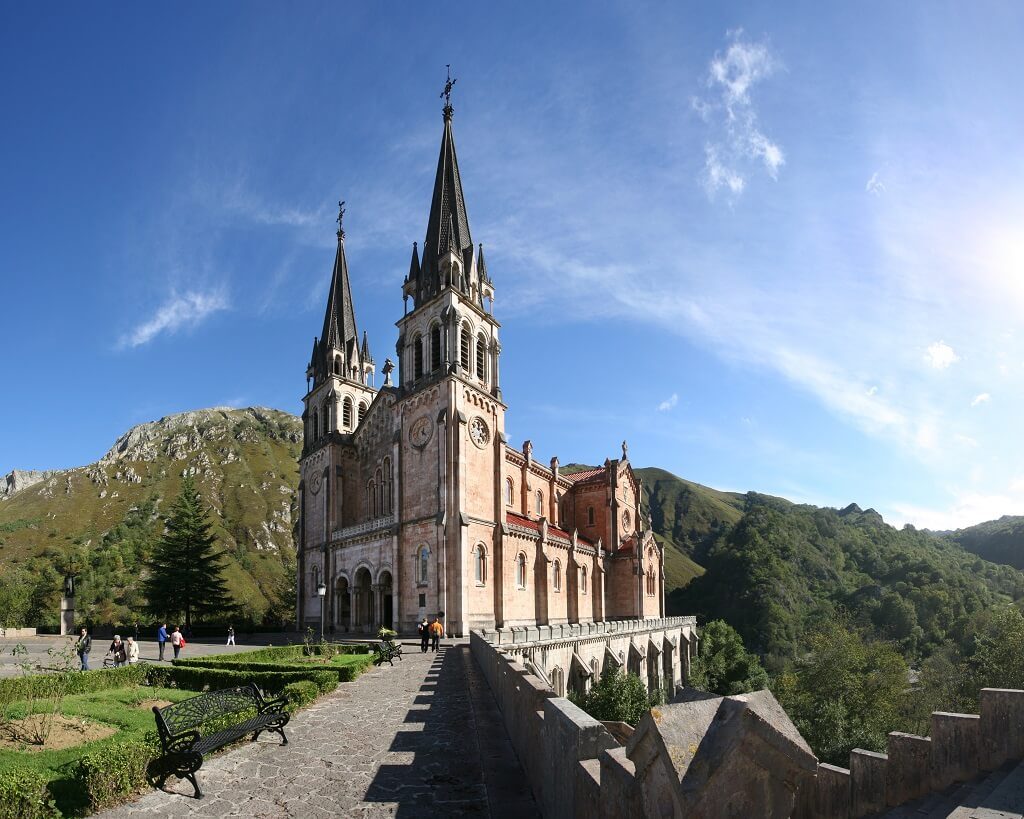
x=272 y=681
x=107 y=775
x=78 y=682
x=24 y=795
x=275 y=654
x=298 y=694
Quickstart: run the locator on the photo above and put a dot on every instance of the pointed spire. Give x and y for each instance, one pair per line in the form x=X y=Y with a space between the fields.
x=414 y=265
x=364 y=353
x=339 y=331
x=481 y=266
x=448 y=225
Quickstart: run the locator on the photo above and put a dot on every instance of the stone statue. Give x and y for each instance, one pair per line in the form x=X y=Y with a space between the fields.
x=387 y=369
x=69 y=586
x=625 y=451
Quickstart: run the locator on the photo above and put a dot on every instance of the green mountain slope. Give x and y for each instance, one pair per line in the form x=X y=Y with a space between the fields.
x=100 y=519
x=1001 y=541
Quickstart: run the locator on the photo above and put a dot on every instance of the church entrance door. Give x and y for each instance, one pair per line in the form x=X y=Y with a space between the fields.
x=386 y=601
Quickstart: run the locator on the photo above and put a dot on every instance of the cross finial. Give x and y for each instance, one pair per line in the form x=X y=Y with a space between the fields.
x=341 y=217
x=447 y=93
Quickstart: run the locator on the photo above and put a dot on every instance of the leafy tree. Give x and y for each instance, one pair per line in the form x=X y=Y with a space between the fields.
x=186 y=569
x=724 y=666
x=15 y=600
x=617 y=697
x=846 y=692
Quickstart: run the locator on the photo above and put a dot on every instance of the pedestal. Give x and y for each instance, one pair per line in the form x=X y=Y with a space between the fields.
x=67 y=615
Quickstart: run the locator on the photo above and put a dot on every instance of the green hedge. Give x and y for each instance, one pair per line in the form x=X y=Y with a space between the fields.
x=106 y=775
x=24 y=794
x=200 y=678
x=298 y=694
x=76 y=682
x=343 y=673
x=274 y=654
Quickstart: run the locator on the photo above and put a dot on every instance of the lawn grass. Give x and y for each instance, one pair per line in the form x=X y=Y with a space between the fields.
x=117 y=707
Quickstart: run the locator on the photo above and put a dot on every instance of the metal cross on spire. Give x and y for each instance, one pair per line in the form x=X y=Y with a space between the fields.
x=341 y=217
x=447 y=93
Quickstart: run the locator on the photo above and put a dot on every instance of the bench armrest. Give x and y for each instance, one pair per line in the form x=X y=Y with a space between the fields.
x=276 y=704
x=180 y=742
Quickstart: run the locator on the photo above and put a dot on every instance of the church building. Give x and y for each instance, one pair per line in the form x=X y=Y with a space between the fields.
x=413 y=503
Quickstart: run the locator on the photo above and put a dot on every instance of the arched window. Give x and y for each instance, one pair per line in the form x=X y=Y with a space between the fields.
x=583 y=579
x=510 y=492
x=481 y=357
x=417 y=356
x=379 y=481
x=314 y=580
x=327 y=417
x=480 y=562
x=464 y=340
x=435 y=347
x=346 y=413
x=387 y=486
x=316 y=424
x=557 y=580
x=337 y=365
x=521 y=571
x=362 y=411
x=540 y=502
x=371 y=498
x=422 y=564
x=590 y=516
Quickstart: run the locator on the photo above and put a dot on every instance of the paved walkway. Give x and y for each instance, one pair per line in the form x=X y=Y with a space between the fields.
x=421 y=739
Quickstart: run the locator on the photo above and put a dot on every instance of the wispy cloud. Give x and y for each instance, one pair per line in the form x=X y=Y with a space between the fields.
x=875 y=185
x=981 y=398
x=738 y=144
x=940 y=355
x=180 y=311
x=668 y=403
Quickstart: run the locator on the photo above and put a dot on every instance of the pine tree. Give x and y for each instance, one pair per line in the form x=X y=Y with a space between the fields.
x=186 y=569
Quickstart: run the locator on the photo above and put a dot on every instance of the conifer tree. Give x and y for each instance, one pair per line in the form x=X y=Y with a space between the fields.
x=186 y=569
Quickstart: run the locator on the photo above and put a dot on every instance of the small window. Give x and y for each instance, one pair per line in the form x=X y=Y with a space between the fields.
x=510 y=492
x=583 y=579
x=464 y=343
x=423 y=561
x=417 y=356
x=337 y=365
x=423 y=601
x=521 y=571
x=314 y=580
x=371 y=500
x=540 y=502
x=481 y=357
x=346 y=413
x=557 y=576
x=590 y=516
x=480 y=560
x=316 y=425
x=362 y=411
x=387 y=486
x=435 y=347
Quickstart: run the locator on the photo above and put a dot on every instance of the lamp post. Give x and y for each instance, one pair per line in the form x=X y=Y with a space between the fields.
x=321 y=591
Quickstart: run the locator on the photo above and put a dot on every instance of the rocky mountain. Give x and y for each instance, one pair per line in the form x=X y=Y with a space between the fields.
x=244 y=462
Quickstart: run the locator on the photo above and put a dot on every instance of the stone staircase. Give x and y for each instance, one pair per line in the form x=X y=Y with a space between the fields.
x=995 y=795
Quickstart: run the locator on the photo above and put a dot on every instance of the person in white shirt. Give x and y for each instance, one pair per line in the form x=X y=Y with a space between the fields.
x=133 y=651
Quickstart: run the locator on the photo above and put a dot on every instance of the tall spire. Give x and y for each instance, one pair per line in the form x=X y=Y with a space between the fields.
x=339 y=330
x=448 y=225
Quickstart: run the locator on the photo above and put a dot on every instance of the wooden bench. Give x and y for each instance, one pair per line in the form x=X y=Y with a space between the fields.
x=180 y=727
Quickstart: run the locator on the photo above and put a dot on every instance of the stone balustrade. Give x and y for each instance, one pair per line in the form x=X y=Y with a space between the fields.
x=384 y=522
x=529 y=636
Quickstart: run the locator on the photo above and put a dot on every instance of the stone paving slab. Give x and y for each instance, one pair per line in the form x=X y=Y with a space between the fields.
x=421 y=739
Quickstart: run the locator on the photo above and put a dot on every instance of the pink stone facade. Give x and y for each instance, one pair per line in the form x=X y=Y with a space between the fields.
x=412 y=502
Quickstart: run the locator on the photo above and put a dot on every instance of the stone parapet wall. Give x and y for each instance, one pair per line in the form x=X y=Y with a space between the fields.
x=960 y=748
x=528 y=636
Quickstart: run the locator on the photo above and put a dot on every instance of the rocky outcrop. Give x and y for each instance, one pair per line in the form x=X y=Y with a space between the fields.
x=19 y=479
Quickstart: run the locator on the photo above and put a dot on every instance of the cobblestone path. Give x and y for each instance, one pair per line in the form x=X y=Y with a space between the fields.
x=421 y=739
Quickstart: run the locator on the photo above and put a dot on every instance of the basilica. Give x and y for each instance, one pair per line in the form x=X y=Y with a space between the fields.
x=414 y=504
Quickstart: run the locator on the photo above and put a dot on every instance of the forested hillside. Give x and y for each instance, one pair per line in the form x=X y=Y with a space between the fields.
x=1001 y=541
x=101 y=520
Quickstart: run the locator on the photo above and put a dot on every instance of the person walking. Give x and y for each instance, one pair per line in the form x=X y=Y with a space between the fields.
x=231 y=636
x=424 y=629
x=133 y=651
x=436 y=630
x=161 y=638
x=83 y=647
x=119 y=652
x=177 y=641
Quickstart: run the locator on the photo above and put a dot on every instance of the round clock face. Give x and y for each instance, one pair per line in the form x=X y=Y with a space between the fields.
x=626 y=520
x=479 y=432
x=420 y=431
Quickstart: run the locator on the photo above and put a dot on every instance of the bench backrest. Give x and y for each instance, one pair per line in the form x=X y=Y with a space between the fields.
x=191 y=713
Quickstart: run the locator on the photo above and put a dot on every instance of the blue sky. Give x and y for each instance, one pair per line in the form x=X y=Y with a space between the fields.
x=779 y=251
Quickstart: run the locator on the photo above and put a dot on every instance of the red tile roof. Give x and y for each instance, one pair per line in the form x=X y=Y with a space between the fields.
x=526 y=523
x=586 y=475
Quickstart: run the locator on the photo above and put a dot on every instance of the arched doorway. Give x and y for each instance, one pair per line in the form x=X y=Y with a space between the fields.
x=364 y=614
x=387 y=611
x=343 y=604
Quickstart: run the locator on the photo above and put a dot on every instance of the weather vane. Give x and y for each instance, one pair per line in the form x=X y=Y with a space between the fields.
x=447 y=93
x=341 y=216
